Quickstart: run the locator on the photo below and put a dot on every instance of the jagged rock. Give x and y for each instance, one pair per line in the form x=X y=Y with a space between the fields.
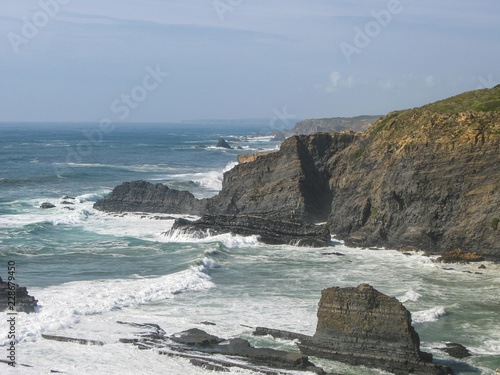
x=47 y=205
x=456 y=350
x=277 y=136
x=362 y=326
x=22 y=302
x=269 y=231
x=223 y=144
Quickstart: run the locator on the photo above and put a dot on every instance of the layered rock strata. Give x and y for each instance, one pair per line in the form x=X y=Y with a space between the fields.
x=274 y=232
x=362 y=326
x=426 y=177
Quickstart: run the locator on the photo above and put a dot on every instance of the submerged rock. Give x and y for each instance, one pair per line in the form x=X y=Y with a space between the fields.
x=456 y=350
x=274 y=232
x=361 y=326
x=47 y=205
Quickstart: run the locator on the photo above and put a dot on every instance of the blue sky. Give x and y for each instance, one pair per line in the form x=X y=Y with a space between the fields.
x=172 y=60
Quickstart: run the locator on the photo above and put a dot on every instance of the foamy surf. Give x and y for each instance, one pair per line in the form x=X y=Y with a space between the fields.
x=427 y=316
x=62 y=306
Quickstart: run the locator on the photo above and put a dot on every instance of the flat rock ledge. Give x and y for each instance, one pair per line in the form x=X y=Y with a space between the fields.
x=363 y=327
x=205 y=350
x=20 y=301
x=270 y=231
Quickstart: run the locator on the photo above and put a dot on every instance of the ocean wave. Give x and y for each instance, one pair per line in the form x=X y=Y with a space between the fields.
x=227 y=239
x=61 y=306
x=430 y=315
x=410 y=296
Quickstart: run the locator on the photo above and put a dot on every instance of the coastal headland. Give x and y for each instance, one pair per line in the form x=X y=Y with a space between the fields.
x=426 y=177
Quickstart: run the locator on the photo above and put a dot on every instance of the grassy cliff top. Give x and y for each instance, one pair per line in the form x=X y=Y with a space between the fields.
x=461 y=115
x=485 y=100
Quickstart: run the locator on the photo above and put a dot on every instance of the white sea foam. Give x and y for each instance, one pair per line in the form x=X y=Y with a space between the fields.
x=227 y=239
x=62 y=306
x=430 y=315
x=410 y=296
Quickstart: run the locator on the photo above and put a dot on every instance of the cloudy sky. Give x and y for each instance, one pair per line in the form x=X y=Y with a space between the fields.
x=172 y=60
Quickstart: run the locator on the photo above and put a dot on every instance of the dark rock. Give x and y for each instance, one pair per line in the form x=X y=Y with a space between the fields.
x=68 y=197
x=208 y=323
x=143 y=196
x=456 y=350
x=279 y=334
x=72 y=340
x=201 y=147
x=482 y=267
x=47 y=205
x=196 y=337
x=66 y=202
x=361 y=326
x=223 y=144
x=22 y=301
x=270 y=231
x=208 y=366
x=276 y=358
x=277 y=136
x=334 y=253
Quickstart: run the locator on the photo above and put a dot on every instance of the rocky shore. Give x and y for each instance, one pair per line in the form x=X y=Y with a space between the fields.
x=273 y=232
x=359 y=326
x=425 y=177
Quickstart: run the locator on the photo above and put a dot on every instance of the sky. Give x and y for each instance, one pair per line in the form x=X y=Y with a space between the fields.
x=282 y=60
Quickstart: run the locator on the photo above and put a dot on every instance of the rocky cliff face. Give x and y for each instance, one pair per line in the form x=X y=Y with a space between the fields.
x=362 y=326
x=427 y=177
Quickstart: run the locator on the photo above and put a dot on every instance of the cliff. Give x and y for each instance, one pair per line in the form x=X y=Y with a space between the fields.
x=426 y=177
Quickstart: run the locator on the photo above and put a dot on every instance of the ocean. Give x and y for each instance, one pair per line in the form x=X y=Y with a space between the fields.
x=90 y=269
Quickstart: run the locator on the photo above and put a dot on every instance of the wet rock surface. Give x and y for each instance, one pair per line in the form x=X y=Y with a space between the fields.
x=269 y=231
x=20 y=301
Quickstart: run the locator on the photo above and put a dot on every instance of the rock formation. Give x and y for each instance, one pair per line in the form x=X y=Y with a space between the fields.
x=20 y=301
x=223 y=144
x=362 y=326
x=143 y=196
x=270 y=231
x=426 y=177
x=200 y=347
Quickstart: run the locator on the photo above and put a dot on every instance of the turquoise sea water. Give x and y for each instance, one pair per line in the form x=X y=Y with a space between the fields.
x=89 y=269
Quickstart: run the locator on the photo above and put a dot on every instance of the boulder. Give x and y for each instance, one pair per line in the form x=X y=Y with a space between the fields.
x=47 y=205
x=456 y=350
x=274 y=232
x=361 y=326
x=223 y=144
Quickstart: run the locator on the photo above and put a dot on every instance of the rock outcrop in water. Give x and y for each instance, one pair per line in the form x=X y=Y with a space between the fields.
x=274 y=232
x=426 y=177
x=362 y=326
x=20 y=301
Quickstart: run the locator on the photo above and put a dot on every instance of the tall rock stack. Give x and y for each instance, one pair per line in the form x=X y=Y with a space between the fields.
x=362 y=326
